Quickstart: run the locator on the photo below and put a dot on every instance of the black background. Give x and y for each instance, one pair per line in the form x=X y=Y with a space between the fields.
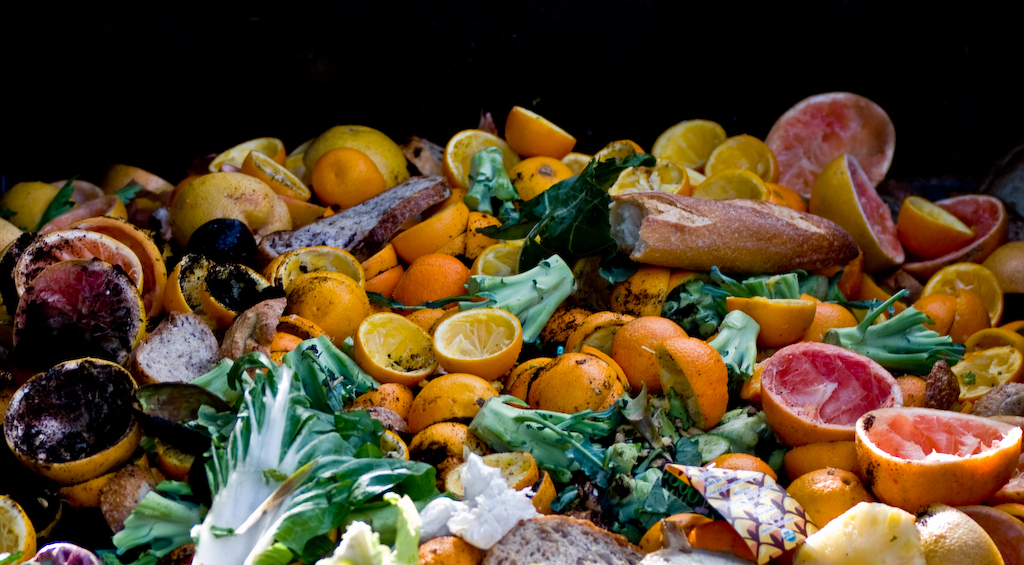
x=154 y=85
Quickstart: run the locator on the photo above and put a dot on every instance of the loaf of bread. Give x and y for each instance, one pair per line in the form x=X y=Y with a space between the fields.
x=561 y=540
x=180 y=349
x=737 y=236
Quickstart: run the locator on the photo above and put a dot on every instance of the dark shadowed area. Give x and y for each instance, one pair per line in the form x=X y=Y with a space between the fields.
x=154 y=86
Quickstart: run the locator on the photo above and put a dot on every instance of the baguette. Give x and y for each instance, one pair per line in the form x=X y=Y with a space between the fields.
x=737 y=236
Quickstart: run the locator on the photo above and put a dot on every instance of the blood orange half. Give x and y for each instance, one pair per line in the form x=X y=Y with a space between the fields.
x=986 y=215
x=815 y=392
x=820 y=128
x=913 y=457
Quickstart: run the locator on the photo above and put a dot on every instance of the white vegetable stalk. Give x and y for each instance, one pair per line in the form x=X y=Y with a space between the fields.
x=248 y=485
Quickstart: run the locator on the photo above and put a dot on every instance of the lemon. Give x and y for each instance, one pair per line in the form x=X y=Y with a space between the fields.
x=384 y=152
x=16 y=531
x=8 y=232
x=228 y=195
x=28 y=201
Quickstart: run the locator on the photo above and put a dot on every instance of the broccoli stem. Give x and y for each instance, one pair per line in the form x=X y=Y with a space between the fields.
x=531 y=296
x=900 y=343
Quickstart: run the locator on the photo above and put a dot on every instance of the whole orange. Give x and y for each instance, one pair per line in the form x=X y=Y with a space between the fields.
x=633 y=349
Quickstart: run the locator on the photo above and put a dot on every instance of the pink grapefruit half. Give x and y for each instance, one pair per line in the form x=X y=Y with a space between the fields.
x=815 y=392
x=820 y=128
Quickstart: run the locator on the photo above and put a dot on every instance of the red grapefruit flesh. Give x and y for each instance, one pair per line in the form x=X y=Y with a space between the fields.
x=1006 y=531
x=820 y=128
x=844 y=194
x=78 y=308
x=986 y=215
x=913 y=457
x=63 y=245
x=815 y=392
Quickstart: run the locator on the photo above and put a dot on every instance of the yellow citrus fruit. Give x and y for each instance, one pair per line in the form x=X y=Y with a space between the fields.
x=500 y=259
x=297 y=262
x=481 y=341
x=384 y=152
x=617 y=151
x=744 y=462
x=345 y=177
x=733 y=183
x=534 y=175
x=184 y=283
x=642 y=293
x=392 y=446
x=690 y=142
x=576 y=162
x=233 y=158
x=449 y=550
x=80 y=444
x=227 y=195
x=230 y=289
x=458 y=154
x=1007 y=263
x=454 y=397
x=666 y=175
x=394 y=350
x=119 y=176
x=973 y=277
x=844 y=194
x=518 y=468
x=827 y=493
x=432 y=234
x=981 y=370
x=380 y=261
x=28 y=201
x=394 y=396
x=17 y=534
x=744 y=152
x=531 y=135
x=573 y=382
x=929 y=231
x=697 y=373
x=952 y=537
x=994 y=337
x=598 y=331
x=8 y=233
x=333 y=301
x=782 y=321
x=277 y=177
x=633 y=349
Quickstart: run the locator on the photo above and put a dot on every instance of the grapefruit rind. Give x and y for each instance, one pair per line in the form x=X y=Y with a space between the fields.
x=802 y=388
x=913 y=457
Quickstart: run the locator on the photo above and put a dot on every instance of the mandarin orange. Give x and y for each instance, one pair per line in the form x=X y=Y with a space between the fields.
x=633 y=349
x=431 y=277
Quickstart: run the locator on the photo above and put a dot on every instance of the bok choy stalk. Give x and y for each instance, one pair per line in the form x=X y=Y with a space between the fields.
x=275 y=444
x=162 y=520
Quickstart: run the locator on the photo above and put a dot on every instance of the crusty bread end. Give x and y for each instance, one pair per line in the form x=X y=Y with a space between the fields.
x=180 y=349
x=562 y=540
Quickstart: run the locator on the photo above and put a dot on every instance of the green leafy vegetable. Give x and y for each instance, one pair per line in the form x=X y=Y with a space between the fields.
x=570 y=218
x=531 y=296
x=737 y=343
x=61 y=203
x=487 y=181
x=901 y=343
x=561 y=443
x=694 y=308
x=7 y=213
x=128 y=192
x=969 y=378
x=162 y=521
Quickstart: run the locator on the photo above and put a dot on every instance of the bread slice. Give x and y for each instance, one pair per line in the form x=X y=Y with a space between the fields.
x=562 y=540
x=737 y=236
x=364 y=228
x=180 y=349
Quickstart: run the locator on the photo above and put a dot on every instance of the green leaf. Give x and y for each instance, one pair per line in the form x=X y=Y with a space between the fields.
x=969 y=378
x=61 y=203
x=128 y=192
x=7 y=213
